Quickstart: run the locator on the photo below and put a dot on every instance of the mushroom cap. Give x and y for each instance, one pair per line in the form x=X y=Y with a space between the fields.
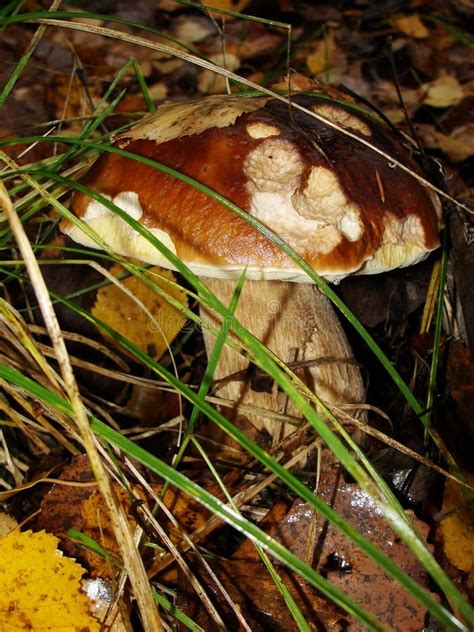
x=343 y=207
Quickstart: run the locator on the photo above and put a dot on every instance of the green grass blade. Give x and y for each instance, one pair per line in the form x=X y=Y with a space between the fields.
x=195 y=491
x=289 y=479
x=175 y=612
x=267 y=363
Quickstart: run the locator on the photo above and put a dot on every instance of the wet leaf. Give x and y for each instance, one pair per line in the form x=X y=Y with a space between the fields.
x=255 y=594
x=345 y=565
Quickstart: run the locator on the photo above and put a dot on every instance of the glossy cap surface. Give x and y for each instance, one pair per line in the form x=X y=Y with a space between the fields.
x=344 y=208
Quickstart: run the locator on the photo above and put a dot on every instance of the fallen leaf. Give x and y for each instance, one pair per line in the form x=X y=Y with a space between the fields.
x=152 y=330
x=81 y=507
x=457 y=528
x=7 y=524
x=193 y=28
x=459 y=145
x=228 y=5
x=258 y=599
x=443 y=92
x=254 y=593
x=344 y=564
x=326 y=57
x=411 y=25
x=210 y=82
x=39 y=587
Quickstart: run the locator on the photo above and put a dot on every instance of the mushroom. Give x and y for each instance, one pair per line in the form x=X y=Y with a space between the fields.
x=344 y=208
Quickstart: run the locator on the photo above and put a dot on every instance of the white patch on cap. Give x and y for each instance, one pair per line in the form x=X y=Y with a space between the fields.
x=408 y=229
x=128 y=201
x=324 y=201
x=260 y=129
x=313 y=220
x=143 y=250
x=119 y=235
x=403 y=244
x=342 y=118
x=275 y=165
x=276 y=211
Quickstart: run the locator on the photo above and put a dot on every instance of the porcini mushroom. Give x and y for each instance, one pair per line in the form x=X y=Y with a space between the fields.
x=344 y=208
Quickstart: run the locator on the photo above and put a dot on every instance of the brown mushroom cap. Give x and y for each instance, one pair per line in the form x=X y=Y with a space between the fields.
x=342 y=207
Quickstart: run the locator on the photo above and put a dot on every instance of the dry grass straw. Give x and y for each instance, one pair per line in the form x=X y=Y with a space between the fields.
x=119 y=522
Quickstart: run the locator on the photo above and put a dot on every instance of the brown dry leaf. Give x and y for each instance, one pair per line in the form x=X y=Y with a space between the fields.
x=345 y=565
x=151 y=332
x=457 y=529
x=258 y=42
x=458 y=420
x=258 y=599
x=39 y=587
x=255 y=593
x=78 y=507
x=411 y=25
x=443 y=92
x=66 y=507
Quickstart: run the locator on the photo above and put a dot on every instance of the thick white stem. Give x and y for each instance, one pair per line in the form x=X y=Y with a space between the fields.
x=297 y=322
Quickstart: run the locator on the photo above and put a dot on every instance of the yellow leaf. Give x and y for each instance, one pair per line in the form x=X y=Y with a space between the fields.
x=459 y=145
x=327 y=57
x=411 y=25
x=321 y=57
x=39 y=587
x=457 y=529
x=228 y=5
x=152 y=328
x=443 y=92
